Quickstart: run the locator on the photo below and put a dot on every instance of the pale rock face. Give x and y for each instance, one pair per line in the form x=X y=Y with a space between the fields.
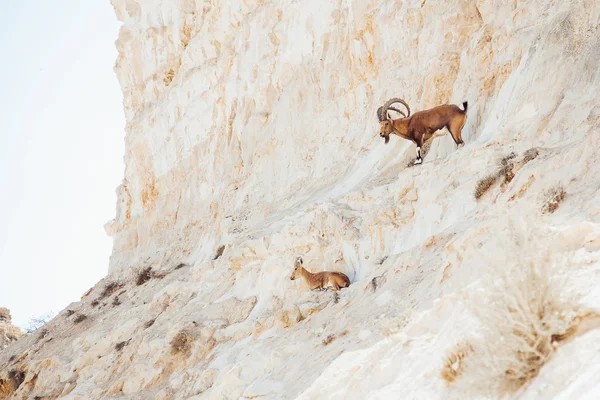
x=8 y=332
x=253 y=126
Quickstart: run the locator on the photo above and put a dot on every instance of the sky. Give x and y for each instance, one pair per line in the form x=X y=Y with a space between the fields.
x=61 y=151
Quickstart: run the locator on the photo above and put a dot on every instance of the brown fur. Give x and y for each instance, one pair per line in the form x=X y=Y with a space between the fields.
x=320 y=280
x=421 y=126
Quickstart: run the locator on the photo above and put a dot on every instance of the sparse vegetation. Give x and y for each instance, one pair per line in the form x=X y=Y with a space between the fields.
x=553 y=198
x=109 y=289
x=485 y=184
x=116 y=301
x=507 y=167
x=523 y=312
x=182 y=343
x=453 y=364
x=328 y=339
x=148 y=324
x=220 y=251
x=70 y=312
x=94 y=303
x=530 y=154
x=506 y=172
x=119 y=346
x=79 y=318
x=336 y=297
x=38 y=322
x=144 y=276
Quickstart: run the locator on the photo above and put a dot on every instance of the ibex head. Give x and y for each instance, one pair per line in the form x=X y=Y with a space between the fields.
x=297 y=267
x=386 y=123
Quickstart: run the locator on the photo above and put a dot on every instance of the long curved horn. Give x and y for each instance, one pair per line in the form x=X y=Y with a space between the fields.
x=388 y=103
x=398 y=111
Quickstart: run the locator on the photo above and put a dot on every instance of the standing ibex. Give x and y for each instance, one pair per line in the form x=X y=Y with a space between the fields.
x=421 y=126
x=320 y=280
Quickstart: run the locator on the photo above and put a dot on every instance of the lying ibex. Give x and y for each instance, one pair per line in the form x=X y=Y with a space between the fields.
x=421 y=126
x=320 y=280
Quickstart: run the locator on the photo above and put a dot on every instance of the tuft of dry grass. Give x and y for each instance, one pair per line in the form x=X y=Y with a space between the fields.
x=553 y=197
x=453 y=363
x=119 y=346
x=523 y=310
x=143 y=276
x=484 y=185
x=506 y=172
x=80 y=318
x=507 y=167
x=220 y=251
x=328 y=339
x=530 y=155
x=109 y=289
x=182 y=343
x=336 y=297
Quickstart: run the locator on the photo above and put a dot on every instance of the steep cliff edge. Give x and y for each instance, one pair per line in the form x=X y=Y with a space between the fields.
x=252 y=137
x=8 y=332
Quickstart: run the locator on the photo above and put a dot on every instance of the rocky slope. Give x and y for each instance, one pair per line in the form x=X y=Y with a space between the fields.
x=252 y=138
x=8 y=332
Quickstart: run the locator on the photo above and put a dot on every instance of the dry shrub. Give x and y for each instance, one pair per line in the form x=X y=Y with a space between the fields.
x=530 y=155
x=220 y=251
x=94 y=303
x=70 y=312
x=80 y=318
x=453 y=364
x=116 y=301
x=553 y=198
x=328 y=339
x=182 y=343
x=484 y=185
x=507 y=167
x=145 y=274
x=505 y=170
x=109 y=289
x=336 y=297
x=119 y=346
x=523 y=311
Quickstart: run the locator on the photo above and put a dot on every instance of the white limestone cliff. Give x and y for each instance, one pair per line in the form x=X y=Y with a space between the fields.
x=252 y=126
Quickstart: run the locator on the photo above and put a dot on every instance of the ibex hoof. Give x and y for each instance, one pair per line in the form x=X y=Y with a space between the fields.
x=418 y=161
